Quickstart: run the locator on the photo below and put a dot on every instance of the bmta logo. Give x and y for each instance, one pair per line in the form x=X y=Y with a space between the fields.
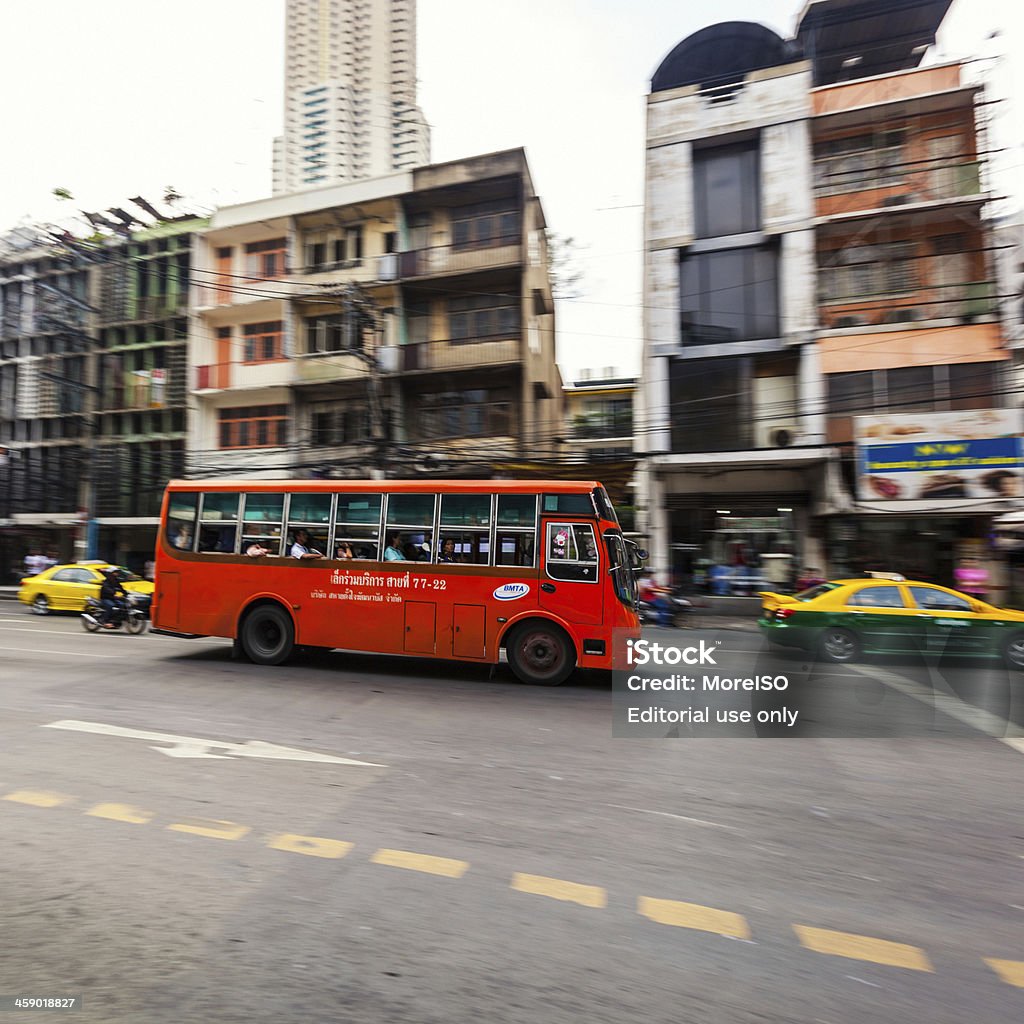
x=511 y=591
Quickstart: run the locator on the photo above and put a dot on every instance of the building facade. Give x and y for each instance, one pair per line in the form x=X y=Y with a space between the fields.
x=394 y=326
x=818 y=286
x=350 y=93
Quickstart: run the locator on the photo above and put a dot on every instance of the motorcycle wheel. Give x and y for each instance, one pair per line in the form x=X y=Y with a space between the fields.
x=89 y=624
x=135 y=623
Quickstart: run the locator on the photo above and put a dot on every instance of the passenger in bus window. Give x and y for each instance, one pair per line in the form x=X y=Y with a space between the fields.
x=344 y=550
x=183 y=538
x=393 y=552
x=412 y=553
x=448 y=551
x=301 y=548
x=256 y=550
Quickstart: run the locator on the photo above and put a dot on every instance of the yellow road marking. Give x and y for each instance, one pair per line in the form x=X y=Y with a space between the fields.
x=421 y=862
x=862 y=947
x=121 y=812
x=215 y=830
x=312 y=846
x=557 y=889
x=693 y=915
x=1010 y=971
x=37 y=798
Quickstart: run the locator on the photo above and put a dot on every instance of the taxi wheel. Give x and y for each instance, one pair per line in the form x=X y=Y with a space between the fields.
x=839 y=645
x=40 y=605
x=541 y=654
x=1013 y=651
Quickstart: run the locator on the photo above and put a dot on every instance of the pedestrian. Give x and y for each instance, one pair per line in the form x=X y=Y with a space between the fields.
x=150 y=569
x=972 y=578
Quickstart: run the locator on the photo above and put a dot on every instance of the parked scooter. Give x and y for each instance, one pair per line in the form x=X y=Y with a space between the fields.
x=131 y=614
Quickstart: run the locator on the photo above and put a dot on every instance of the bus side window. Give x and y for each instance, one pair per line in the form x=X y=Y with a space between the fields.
x=571 y=552
x=218 y=522
x=465 y=529
x=412 y=517
x=261 y=523
x=357 y=526
x=514 y=542
x=181 y=519
x=309 y=517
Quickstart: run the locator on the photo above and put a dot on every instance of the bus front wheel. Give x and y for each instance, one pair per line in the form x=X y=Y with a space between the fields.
x=268 y=635
x=540 y=653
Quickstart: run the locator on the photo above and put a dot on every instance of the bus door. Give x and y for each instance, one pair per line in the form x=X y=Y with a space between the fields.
x=570 y=583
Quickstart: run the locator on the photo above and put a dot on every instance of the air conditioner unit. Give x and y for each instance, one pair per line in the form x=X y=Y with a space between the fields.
x=778 y=435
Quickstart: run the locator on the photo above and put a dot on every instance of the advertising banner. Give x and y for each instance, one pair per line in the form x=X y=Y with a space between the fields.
x=975 y=453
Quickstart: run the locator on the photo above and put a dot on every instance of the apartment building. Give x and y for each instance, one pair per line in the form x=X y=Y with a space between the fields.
x=350 y=93
x=820 y=298
x=92 y=389
x=397 y=325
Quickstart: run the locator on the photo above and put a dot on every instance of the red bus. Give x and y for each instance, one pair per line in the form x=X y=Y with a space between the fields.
x=442 y=569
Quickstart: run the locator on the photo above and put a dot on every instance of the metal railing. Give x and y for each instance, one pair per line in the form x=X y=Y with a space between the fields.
x=451 y=259
x=434 y=355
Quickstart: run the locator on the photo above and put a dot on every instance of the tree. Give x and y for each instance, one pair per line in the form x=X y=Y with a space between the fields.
x=563 y=265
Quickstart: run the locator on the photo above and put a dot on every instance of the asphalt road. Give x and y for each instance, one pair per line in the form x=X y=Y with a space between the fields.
x=498 y=855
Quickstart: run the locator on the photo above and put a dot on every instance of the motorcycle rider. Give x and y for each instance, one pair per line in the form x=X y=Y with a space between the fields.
x=112 y=596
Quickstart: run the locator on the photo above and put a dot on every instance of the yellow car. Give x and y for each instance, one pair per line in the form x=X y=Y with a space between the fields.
x=64 y=588
x=846 y=618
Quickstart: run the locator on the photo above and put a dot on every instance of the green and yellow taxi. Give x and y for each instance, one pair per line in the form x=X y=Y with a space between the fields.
x=887 y=614
x=64 y=588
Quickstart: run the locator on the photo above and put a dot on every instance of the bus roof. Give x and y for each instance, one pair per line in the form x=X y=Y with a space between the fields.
x=430 y=486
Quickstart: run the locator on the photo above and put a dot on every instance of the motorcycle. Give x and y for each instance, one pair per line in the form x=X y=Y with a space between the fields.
x=131 y=613
x=680 y=606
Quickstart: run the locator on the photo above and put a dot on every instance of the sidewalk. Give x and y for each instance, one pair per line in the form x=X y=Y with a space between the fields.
x=8 y=593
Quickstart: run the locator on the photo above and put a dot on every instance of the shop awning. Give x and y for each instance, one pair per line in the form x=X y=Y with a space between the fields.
x=981 y=507
x=46 y=519
x=129 y=521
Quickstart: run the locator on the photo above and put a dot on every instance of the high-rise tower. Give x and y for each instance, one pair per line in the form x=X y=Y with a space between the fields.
x=350 y=93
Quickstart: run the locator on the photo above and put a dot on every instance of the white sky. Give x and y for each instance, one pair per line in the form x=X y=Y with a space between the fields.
x=115 y=98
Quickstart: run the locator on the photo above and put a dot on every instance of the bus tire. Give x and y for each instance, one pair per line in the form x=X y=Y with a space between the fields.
x=267 y=635
x=540 y=653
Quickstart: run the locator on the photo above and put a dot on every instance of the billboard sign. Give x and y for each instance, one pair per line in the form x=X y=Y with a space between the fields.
x=956 y=456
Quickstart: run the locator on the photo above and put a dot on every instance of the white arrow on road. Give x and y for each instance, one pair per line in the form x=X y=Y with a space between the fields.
x=191 y=746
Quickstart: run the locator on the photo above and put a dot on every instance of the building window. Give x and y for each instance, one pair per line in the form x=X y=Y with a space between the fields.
x=726 y=190
x=475 y=317
x=481 y=412
x=253 y=426
x=710 y=404
x=485 y=224
x=857 y=271
x=262 y=343
x=266 y=259
x=340 y=424
x=859 y=162
x=337 y=332
x=729 y=295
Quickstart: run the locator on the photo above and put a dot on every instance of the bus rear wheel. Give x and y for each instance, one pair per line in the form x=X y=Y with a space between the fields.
x=540 y=653
x=267 y=635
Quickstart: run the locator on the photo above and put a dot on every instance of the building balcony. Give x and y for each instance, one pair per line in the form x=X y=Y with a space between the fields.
x=962 y=303
x=620 y=428
x=459 y=355
x=444 y=260
x=331 y=366
x=925 y=88
x=213 y=377
x=915 y=188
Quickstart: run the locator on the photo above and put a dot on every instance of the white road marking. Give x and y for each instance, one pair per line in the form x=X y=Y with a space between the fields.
x=191 y=746
x=678 y=817
x=948 y=704
x=66 y=654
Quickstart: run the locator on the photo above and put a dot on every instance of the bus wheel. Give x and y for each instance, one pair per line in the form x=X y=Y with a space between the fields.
x=540 y=653
x=267 y=635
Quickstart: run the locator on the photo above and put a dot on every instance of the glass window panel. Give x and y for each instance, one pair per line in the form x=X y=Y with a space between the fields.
x=513 y=548
x=313 y=539
x=413 y=509
x=182 y=505
x=310 y=508
x=217 y=539
x=220 y=506
x=876 y=597
x=569 y=504
x=358 y=508
x=465 y=509
x=466 y=547
x=939 y=600
x=572 y=552
x=264 y=508
x=517 y=510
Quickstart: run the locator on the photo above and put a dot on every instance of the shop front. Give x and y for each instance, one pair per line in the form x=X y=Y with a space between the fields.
x=731 y=524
